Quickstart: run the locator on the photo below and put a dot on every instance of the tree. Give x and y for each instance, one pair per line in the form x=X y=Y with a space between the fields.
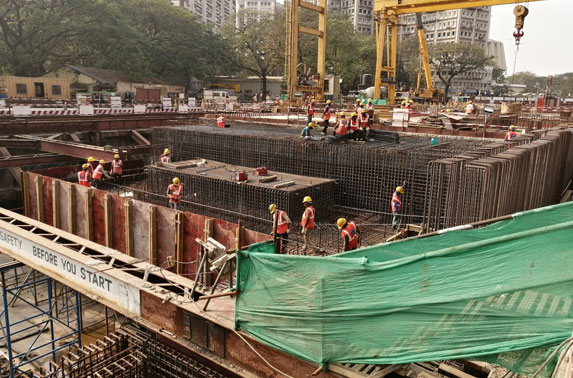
x=453 y=59
x=408 y=63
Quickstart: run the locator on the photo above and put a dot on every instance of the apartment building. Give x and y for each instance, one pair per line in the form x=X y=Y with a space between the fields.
x=214 y=12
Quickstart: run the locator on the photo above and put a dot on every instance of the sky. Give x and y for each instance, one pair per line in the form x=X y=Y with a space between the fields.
x=547 y=45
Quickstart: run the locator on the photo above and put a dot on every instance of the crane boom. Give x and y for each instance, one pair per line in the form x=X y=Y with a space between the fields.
x=424 y=52
x=420 y=6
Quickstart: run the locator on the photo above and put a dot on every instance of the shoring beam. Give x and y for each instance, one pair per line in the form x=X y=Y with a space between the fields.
x=27 y=160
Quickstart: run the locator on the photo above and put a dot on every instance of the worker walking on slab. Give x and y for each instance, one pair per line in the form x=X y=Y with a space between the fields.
x=326 y=116
x=283 y=226
x=310 y=111
x=84 y=176
x=99 y=174
x=307 y=221
x=166 y=157
x=511 y=134
x=349 y=233
x=116 y=168
x=397 y=207
x=174 y=193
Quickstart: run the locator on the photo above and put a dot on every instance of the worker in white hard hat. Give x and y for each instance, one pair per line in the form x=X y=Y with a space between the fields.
x=116 y=168
x=307 y=221
x=396 y=205
x=174 y=193
x=470 y=107
x=349 y=233
x=166 y=157
x=326 y=117
x=283 y=226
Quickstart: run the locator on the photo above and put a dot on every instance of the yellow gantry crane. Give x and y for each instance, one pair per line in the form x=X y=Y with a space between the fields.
x=386 y=14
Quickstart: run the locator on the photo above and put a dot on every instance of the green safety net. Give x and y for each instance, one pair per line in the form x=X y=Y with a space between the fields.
x=502 y=293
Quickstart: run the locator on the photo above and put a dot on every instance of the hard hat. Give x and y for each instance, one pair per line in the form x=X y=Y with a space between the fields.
x=403 y=102
x=358 y=100
x=362 y=103
x=102 y=161
x=116 y=156
x=166 y=151
x=329 y=102
x=311 y=124
x=306 y=199
x=341 y=222
x=410 y=101
x=369 y=100
x=272 y=207
x=512 y=127
x=400 y=189
x=354 y=114
x=342 y=114
x=84 y=166
x=91 y=159
x=469 y=102
x=176 y=181
x=434 y=141
x=364 y=111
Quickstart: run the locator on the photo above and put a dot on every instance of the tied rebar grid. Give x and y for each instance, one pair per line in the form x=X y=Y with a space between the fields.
x=366 y=174
x=520 y=177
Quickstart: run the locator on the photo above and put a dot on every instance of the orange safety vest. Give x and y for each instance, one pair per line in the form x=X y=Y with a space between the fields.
x=91 y=167
x=510 y=135
x=98 y=172
x=84 y=178
x=221 y=121
x=116 y=167
x=350 y=232
x=326 y=115
x=364 y=121
x=343 y=127
x=307 y=221
x=165 y=158
x=396 y=202
x=282 y=225
x=353 y=124
x=176 y=193
x=310 y=109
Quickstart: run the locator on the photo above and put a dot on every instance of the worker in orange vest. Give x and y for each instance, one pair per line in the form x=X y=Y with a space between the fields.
x=221 y=122
x=364 y=123
x=174 y=193
x=91 y=164
x=307 y=221
x=99 y=174
x=341 y=128
x=326 y=116
x=349 y=233
x=166 y=157
x=370 y=109
x=396 y=205
x=116 y=168
x=283 y=224
x=84 y=176
x=310 y=111
x=511 y=134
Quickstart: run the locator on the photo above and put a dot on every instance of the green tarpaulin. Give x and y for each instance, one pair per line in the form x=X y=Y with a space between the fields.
x=501 y=293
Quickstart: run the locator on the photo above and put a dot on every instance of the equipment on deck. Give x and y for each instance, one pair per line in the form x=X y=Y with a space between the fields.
x=241 y=176
x=262 y=171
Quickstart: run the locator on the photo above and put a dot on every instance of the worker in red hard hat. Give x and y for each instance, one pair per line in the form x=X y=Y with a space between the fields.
x=349 y=233
x=99 y=174
x=396 y=205
x=307 y=221
x=84 y=176
x=174 y=193
x=283 y=226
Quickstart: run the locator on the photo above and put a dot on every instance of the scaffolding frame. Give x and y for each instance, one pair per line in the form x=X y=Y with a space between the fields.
x=42 y=316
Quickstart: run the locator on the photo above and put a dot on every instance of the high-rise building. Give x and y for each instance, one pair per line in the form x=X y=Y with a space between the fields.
x=256 y=9
x=214 y=12
x=360 y=12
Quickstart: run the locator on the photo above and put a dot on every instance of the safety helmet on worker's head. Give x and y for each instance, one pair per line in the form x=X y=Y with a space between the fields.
x=369 y=100
x=362 y=103
x=328 y=102
x=311 y=124
x=84 y=166
x=341 y=222
x=410 y=101
x=364 y=111
x=272 y=207
x=400 y=189
x=358 y=100
x=354 y=114
x=342 y=114
x=469 y=102
x=176 y=181
x=91 y=159
x=307 y=199
x=512 y=127
x=116 y=156
x=166 y=151
x=102 y=161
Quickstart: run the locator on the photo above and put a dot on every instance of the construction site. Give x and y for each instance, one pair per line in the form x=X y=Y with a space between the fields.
x=175 y=265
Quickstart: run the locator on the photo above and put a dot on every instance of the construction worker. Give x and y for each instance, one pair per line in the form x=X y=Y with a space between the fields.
x=283 y=226
x=84 y=176
x=174 y=193
x=354 y=126
x=370 y=109
x=116 y=167
x=326 y=116
x=341 y=128
x=370 y=106
x=91 y=164
x=364 y=124
x=357 y=105
x=221 y=121
x=470 y=108
x=310 y=111
x=307 y=221
x=397 y=207
x=349 y=233
x=166 y=157
x=511 y=134
x=360 y=107
x=99 y=174
x=306 y=132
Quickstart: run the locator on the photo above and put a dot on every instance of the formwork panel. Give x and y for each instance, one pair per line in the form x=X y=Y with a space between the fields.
x=98 y=217
x=64 y=206
x=140 y=229
x=118 y=223
x=165 y=234
x=48 y=201
x=81 y=216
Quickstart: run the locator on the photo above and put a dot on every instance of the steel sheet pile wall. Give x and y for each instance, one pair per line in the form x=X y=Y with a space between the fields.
x=229 y=200
x=492 y=181
x=366 y=175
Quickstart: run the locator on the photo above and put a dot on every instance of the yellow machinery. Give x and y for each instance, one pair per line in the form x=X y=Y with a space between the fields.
x=386 y=15
x=430 y=92
x=302 y=81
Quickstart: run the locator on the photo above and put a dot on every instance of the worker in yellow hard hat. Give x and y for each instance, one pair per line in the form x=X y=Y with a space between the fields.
x=307 y=221
x=166 y=157
x=310 y=111
x=326 y=117
x=99 y=174
x=174 y=193
x=397 y=207
x=116 y=168
x=470 y=109
x=84 y=176
x=91 y=164
x=341 y=128
x=348 y=233
x=283 y=225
